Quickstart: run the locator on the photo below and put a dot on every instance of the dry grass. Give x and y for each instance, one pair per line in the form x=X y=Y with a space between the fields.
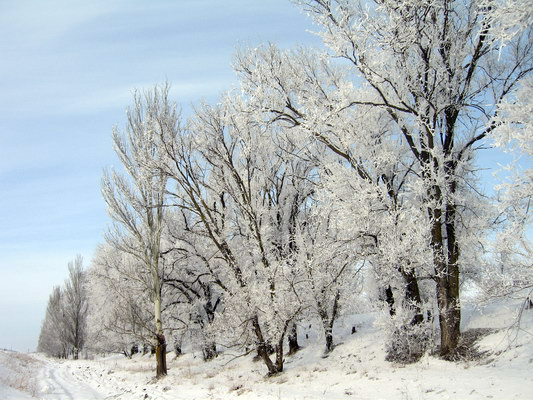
x=22 y=372
x=139 y=368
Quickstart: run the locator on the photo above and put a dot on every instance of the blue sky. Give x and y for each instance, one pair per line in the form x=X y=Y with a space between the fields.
x=67 y=72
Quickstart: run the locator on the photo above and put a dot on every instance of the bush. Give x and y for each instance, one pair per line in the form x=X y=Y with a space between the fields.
x=407 y=341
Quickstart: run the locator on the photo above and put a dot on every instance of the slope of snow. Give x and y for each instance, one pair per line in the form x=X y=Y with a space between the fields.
x=354 y=370
x=17 y=376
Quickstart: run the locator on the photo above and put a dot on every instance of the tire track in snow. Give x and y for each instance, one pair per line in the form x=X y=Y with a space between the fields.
x=60 y=382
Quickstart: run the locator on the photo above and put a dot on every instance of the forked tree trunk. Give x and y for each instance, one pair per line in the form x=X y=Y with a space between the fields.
x=329 y=321
x=262 y=351
x=412 y=296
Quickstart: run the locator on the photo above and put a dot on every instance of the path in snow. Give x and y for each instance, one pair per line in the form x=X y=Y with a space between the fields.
x=67 y=381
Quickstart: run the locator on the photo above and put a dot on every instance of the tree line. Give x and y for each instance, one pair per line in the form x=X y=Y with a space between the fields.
x=64 y=330
x=331 y=180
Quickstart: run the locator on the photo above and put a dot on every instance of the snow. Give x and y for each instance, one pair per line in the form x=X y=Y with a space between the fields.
x=16 y=376
x=9 y=393
x=356 y=369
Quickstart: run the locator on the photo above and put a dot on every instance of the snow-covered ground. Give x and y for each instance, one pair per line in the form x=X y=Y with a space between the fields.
x=354 y=370
x=18 y=375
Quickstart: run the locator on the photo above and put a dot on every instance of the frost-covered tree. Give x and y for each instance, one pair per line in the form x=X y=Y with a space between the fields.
x=136 y=201
x=75 y=297
x=53 y=335
x=330 y=263
x=363 y=180
x=64 y=330
x=513 y=247
x=430 y=76
x=242 y=195
x=121 y=312
x=192 y=283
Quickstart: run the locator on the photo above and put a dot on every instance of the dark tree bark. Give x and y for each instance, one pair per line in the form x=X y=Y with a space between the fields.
x=389 y=298
x=329 y=321
x=412 y=295
x=262 y=349
x=177 y=350
x=209 y=351
x=293 y=339
x=161 y=356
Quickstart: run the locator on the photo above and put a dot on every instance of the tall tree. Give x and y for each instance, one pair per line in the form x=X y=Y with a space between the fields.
x=135 y=203
x=437 y=73
x=243 y=197
x=363 y=180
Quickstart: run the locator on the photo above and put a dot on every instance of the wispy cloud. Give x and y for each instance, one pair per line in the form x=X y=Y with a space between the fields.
x=67 y=71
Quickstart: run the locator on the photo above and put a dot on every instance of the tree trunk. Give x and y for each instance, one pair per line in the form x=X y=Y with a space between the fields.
x=177 y=349
x=161 y=346
x=450 y=320
x=161 y=356
x=412 y=295
x=328 y=322
x=293 y=339
x=389 y=298
x=262 y=349
x=447 y=273
x=209 y=351
x=329 y=341
x=147 y=348
x=279 y=355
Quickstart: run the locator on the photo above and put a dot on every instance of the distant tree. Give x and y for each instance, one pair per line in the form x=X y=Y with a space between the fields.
x=75 y=298
x=64 y=330
x=53 y=335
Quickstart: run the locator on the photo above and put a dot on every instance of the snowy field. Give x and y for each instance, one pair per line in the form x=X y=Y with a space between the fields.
x=355 y=370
